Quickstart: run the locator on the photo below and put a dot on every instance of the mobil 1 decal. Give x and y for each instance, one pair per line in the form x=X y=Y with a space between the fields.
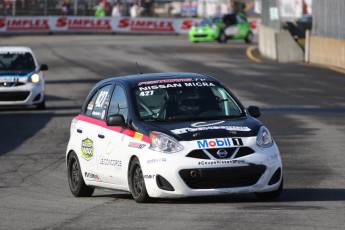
x=219 y=143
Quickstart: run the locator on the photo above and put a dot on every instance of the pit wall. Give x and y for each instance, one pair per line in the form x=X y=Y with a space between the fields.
x=327 y=51
x=279 y=45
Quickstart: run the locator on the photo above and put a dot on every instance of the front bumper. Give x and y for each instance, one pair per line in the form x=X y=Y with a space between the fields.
x=25 y=94
x=203 y=35
x=175 y=175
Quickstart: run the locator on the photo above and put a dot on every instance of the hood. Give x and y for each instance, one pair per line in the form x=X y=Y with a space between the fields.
x=195 y=130
x=16 y=73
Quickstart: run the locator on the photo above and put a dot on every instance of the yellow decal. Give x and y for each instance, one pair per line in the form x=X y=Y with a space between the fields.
x=138 y=136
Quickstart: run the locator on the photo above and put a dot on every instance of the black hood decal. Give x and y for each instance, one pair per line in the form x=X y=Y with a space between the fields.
x=194 y=130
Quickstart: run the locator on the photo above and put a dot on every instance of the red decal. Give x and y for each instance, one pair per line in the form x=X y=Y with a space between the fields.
x=84 y=23
x=187 y=24
x=147 y=25
x=2 y=22
x=27 y=24
x=117 y=129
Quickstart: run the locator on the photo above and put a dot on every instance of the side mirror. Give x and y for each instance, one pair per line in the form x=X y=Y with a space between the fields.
x=44 y=67
x=254 y=111
x=116 y=120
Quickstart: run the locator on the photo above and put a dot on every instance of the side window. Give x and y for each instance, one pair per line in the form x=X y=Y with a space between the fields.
x=118 y=103
x=97 y=106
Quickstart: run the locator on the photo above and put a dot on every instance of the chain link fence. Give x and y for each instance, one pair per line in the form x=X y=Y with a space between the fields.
x=329 y=18
x=46 y=7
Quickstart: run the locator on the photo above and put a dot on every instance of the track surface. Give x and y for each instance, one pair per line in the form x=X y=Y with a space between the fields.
x=303 y=106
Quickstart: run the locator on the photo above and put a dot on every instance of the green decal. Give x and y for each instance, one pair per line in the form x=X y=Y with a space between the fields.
x=87 y=148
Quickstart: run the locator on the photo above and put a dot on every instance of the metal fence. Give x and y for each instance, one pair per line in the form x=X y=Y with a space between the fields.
x=46 y=7
x=329 y=18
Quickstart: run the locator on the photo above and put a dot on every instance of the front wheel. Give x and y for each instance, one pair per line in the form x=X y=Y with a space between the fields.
x=249 y=38
x=136 y=182
x=267 y=196
x=75 y=178
x=41 y=106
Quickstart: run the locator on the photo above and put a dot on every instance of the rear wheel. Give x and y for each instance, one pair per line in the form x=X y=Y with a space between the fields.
x=249 y=38
x=75 y=178
x=267 y=196
x=222 y=37
x=136 y=182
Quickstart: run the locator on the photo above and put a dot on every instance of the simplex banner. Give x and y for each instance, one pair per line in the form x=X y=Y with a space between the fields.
x=75 y=24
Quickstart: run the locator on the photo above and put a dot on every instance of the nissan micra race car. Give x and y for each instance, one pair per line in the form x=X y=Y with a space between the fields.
x=170 y=135
x=21 y=78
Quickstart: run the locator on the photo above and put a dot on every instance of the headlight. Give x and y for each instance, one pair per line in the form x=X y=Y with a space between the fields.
x=214 y=27
x=163 y=143
x=35 y=78
x=264 y=138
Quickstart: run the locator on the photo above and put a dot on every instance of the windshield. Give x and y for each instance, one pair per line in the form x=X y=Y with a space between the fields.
x=16 y=61
x=185 y=101
x=210 y=21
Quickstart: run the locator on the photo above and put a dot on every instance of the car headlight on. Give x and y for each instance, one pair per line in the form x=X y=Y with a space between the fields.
x=35 y=78
x=163 y=143
x=264 y=138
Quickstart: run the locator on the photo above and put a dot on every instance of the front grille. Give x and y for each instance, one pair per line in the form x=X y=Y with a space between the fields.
x=200 y=35
x=222 y=177
x=232 y=153
x=14 y=96
x=12 y=84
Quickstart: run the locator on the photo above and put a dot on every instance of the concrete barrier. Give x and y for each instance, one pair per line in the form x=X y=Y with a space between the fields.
x=279 y=45
x=267 y=42
x=327 y=51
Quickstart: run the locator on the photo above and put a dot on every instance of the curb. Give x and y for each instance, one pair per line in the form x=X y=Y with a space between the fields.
x=251 y=56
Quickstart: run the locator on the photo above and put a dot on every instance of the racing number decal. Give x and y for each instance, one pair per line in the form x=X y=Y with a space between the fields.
x=146 y=93
x=101 y=98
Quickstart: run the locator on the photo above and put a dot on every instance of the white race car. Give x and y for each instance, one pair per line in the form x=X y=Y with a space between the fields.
x=21 y=78
x=170 y=135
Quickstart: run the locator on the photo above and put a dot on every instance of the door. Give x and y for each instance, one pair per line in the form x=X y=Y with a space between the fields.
x=114 y=142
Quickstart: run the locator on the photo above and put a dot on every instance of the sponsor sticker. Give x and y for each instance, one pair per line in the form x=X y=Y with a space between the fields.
x=221 y=162
x=138 y=136
x=87 y=149
x=91 y=176
x=214 y=143
x=202 y=128
x=136 y=145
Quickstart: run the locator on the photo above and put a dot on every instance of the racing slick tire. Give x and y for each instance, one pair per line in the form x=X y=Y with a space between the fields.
x=75 y=178
x=136 y=182
x=267 y=196
x=249 y=38
x=222 y=37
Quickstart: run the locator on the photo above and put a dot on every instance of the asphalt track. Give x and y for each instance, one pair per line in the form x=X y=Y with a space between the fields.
x=303 y=107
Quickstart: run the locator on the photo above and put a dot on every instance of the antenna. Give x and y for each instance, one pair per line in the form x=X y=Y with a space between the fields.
x=138 y=68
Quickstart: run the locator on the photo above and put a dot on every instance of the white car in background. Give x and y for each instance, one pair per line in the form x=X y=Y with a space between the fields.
x=21 y=78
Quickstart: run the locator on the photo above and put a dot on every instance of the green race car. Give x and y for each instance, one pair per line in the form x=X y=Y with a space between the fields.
x=221 y=28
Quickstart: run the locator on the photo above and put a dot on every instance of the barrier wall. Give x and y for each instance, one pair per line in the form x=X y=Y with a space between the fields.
x=327 y=51
x=279 y=45
x=73 y=24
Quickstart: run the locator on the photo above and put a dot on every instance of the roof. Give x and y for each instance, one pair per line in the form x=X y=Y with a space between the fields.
x=15 y=49
x=134 y=80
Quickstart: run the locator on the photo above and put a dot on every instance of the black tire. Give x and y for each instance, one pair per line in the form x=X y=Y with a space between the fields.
x=267 y=196
x=222 y=37
x=41 y=106
x=136 y=182
x=249 y=38
x=75 y=178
